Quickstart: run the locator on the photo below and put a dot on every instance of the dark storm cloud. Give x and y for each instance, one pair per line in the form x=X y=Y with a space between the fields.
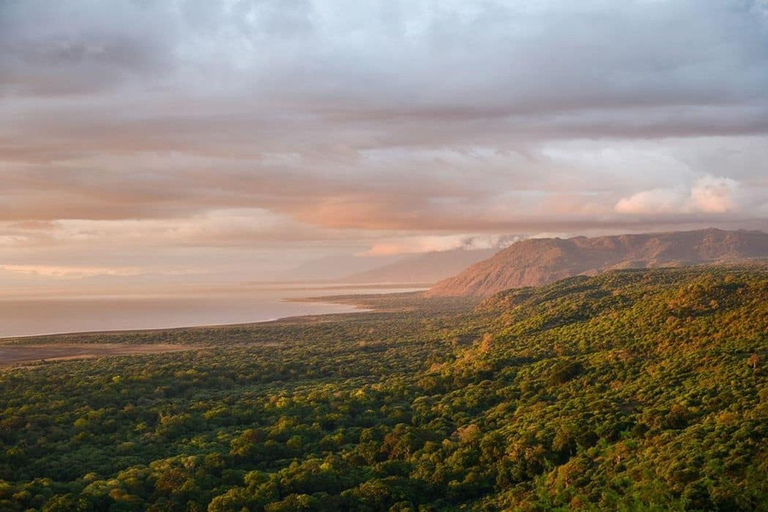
x=50 y=47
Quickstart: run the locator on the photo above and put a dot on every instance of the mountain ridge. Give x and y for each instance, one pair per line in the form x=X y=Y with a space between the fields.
x=540 y=261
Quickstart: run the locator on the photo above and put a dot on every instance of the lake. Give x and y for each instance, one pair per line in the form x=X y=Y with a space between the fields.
x=193 y=306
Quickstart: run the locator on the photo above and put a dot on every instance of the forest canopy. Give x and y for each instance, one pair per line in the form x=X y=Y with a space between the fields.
x=631 y=390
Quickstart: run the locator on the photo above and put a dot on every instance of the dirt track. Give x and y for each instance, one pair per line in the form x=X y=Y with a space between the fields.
x=12 y=354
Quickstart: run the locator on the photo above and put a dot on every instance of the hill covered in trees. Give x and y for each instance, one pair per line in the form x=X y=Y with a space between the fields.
x=535 y=262
x=631 y=390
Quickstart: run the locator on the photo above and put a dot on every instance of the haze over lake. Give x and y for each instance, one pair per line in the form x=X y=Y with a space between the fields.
x=180 y=307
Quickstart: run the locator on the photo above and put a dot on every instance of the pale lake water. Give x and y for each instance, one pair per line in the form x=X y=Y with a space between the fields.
x=52 y=315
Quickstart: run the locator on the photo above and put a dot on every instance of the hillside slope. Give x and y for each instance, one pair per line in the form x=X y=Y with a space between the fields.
x=535 y=262
x=423 y=268
x=656 y=373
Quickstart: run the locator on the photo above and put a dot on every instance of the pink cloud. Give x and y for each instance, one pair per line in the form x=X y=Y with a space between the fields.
x=709 y=194
x=715 y=195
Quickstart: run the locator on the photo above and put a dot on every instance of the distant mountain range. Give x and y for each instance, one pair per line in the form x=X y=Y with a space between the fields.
x=429 y=267
x=336 y=267
x=422 y=268
x=541 y=261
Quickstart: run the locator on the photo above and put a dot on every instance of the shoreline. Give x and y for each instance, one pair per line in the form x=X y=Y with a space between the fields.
x=344 y=300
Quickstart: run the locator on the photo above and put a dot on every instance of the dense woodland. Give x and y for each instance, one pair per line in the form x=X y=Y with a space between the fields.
x=632 y=390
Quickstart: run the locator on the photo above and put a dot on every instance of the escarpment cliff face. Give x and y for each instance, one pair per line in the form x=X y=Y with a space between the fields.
x=541 y=261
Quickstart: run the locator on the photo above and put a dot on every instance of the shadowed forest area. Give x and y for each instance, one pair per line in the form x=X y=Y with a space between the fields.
x=631 y=390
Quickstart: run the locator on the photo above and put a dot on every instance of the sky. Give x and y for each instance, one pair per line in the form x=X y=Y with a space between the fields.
x=201 y=139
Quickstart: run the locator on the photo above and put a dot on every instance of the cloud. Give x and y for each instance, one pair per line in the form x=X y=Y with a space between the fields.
x=210 y=132
x=715 y=195
x=656 y=201
x=422 y=244
x=708 y=194
x=82 y=47
x=216 y=228
x=73 y=272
